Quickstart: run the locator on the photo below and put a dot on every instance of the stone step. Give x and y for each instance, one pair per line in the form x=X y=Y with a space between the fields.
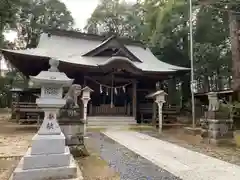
x=127 y=121
x=110 y=124
x=107 y=121
x=113 y=120
x=109 y=118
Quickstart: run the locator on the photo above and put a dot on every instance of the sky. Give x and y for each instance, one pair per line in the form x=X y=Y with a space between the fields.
x=81 y=10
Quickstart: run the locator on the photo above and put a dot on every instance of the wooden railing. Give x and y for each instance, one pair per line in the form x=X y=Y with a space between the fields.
x=30 y=112
x=106 y=109
x=146 y=110
x=26 y=111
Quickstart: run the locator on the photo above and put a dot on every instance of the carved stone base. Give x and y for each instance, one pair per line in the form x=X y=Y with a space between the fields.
x=216 y=115
x=217 y=131
x=74 y=132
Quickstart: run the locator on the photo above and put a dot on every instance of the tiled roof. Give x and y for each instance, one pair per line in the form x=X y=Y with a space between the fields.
x=70 y=49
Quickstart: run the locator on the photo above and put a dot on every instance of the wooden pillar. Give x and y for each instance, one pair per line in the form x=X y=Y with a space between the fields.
x=134 y=99
x=90 y=109
x=160 y=118
x=84 y=81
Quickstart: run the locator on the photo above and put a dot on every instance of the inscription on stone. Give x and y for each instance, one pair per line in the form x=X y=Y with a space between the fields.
x=49 y=125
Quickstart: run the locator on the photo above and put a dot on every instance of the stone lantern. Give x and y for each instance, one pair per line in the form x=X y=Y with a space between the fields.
x=49 y=157
x=216 y=125
x=86 y=92
x=159 y=97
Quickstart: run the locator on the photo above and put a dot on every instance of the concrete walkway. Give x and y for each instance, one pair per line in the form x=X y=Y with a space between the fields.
x=184 y=163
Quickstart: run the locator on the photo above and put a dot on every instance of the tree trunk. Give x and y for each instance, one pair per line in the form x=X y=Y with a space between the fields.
x=234 y=27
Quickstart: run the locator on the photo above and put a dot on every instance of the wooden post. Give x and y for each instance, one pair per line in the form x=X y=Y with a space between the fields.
x=154 y=117
x=84 y=81
x=134 y=99
x=160 y=119
x=160 y=115
x=128 y=109
x=90 y=109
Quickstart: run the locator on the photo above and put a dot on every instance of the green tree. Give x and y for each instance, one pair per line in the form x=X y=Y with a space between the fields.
x=34 y=15
x=116 y=17
x=8 y=10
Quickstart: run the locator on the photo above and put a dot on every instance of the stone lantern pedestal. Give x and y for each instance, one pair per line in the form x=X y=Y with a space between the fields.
x=49 y=157
x=216 y=126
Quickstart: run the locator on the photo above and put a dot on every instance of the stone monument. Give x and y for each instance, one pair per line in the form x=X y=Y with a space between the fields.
x=217 y=125
x=49 y=157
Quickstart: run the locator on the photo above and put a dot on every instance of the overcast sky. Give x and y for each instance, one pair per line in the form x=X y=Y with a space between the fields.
x=82 y=9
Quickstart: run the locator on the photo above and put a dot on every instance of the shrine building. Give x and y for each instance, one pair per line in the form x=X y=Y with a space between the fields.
x=120 y=71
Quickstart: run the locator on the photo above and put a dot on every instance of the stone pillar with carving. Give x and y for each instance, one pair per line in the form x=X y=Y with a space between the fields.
x=217 y=125
x=86 y=92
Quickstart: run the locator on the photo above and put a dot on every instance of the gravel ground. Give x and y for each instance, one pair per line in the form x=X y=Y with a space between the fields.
x=129 y=165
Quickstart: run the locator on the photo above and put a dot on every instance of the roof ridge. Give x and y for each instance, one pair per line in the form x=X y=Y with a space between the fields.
x=89 y=36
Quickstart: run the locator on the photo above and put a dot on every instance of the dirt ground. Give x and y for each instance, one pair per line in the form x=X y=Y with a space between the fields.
x=15 y=139
x=227 y=153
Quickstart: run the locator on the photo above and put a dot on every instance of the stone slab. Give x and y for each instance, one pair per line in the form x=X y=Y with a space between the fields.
x=56 y=173
x=48 y=144
x=46 y=160
x=182 y=162
x=192 y=131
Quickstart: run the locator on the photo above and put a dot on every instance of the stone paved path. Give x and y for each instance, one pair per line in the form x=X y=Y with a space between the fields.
x=128 y=164
x=184 y=163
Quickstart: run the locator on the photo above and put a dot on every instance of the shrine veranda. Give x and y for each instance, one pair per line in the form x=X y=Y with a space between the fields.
x=120 y=72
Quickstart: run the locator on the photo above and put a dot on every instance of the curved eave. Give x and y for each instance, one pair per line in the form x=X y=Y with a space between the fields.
x=32 y=63
x=120 y=62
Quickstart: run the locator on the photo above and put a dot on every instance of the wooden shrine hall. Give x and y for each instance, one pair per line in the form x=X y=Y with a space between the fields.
x=120 y=71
